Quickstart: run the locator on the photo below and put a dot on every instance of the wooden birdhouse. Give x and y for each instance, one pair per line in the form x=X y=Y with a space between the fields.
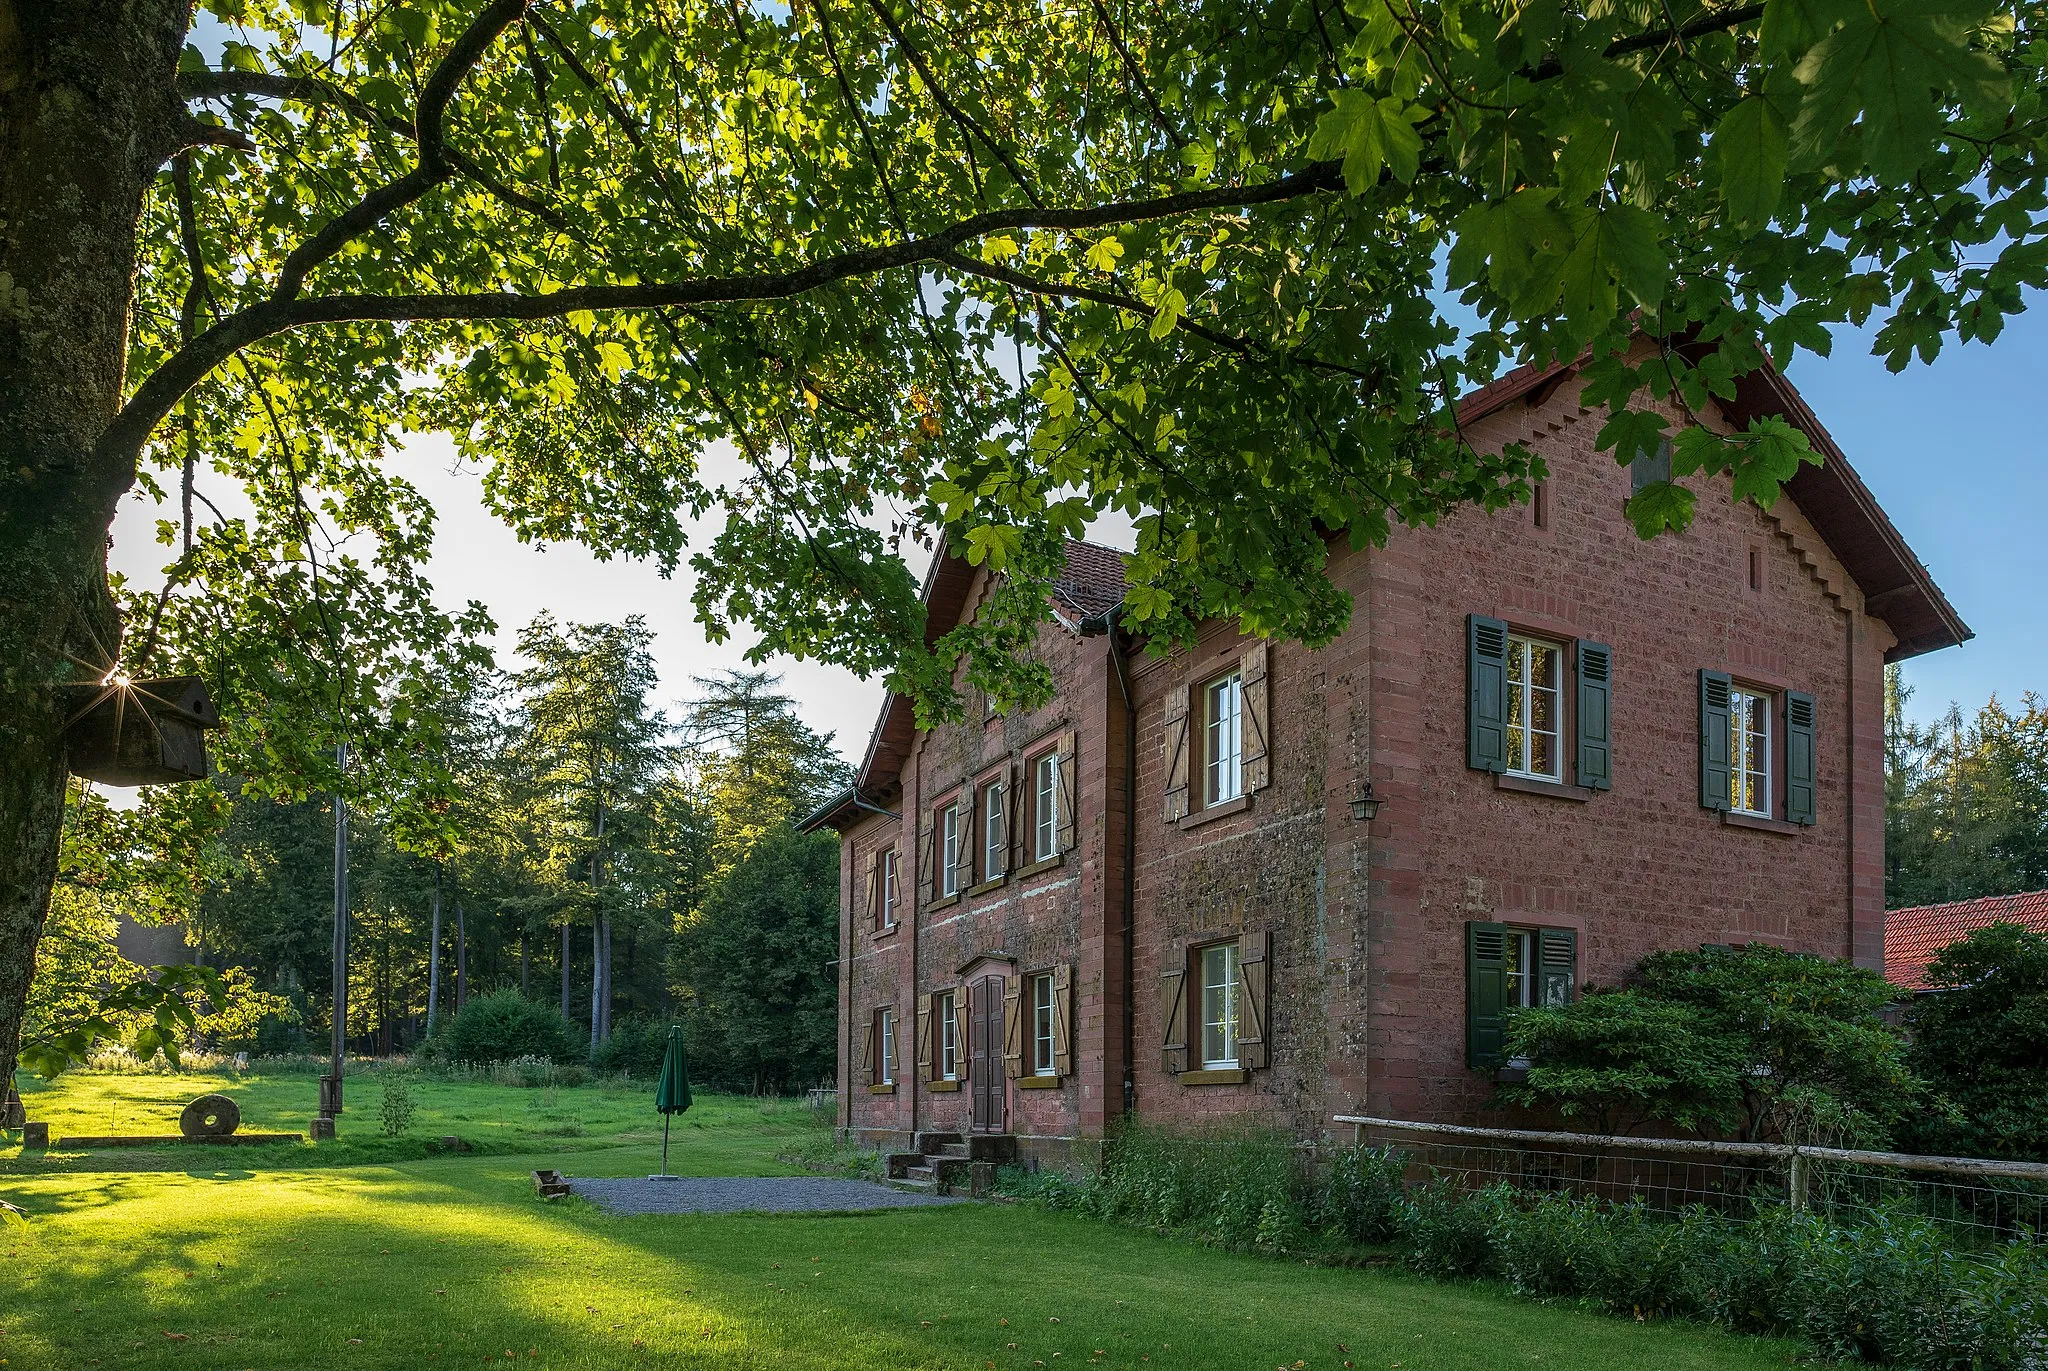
x=124 y=732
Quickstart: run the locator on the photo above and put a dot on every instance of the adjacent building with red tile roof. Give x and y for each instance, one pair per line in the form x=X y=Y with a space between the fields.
x=1914 y=937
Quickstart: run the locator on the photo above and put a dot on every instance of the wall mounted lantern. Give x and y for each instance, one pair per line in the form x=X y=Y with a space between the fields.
x=1365 y=804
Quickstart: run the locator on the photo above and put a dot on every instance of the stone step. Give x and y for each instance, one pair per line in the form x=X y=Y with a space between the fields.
x=922 y=1173
x=958 y=1149
x=923 y=1187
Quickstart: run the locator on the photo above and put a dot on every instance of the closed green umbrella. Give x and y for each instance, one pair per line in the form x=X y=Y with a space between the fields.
x=672 y=1095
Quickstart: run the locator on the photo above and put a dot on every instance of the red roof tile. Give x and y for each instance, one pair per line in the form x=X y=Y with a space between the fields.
x=1093 y=579
x=1913 y=937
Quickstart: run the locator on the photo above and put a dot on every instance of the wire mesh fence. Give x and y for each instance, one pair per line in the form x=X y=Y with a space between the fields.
x=1977 y=1198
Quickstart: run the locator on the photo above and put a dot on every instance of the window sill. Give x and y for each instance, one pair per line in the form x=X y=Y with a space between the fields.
x=1216 y=1075
x=1556 y=790
x=881 y=1090
x=888 y=930
x=1042 y=864
x=942 y=1087
x=992 y=883
x=1038 y=1082
x=942 y=902
x=1761 y=824
x=1196 y=818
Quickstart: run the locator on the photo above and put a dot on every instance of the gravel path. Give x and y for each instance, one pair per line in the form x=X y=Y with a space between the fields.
x=736 y=1194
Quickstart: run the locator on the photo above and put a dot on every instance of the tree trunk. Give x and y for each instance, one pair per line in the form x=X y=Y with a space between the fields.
x=565 y=971
x=461 y=960
x=88 y=113
x=434 y=956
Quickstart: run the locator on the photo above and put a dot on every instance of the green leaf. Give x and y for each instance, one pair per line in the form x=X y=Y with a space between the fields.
x=1751 y=144
x=1630 y=432
x=1370 y=135
x=1104 y=253
x=1171 y=306
x=1661 y=506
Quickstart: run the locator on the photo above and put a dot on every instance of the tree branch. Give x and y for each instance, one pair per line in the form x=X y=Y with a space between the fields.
x=1714 y=21
x=434 y=165
x=156 y=395
x=311 y=90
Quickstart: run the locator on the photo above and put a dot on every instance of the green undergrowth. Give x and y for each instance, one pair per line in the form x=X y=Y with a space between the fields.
x=1893 y=1287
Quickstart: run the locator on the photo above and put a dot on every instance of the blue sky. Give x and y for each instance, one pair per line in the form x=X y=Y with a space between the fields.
x=1954 y=452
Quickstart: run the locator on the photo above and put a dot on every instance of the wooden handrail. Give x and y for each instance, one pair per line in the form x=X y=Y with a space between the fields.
x=1905 y=1161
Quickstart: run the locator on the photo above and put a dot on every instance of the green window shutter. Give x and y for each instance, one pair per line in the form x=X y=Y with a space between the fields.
x=1486 y=993
x=1486 y=700
x=1799 y=758
x=1714 y=759
x=1595 y=768
x=1557 y=962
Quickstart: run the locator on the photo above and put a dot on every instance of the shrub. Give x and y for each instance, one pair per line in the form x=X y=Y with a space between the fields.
x=502 y=1026
x=1449 y=1232
x=1983 y=1042
x=1755 y=1040
x=635 y=1049
x=1360 y=1196
x=396 y=1108
x=1237 y=1187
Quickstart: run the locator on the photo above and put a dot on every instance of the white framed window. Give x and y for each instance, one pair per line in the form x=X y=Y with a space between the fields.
x=887 y=876
x=885 y=1044
x=1531 y=984
x=1045 y=828
x=1223 y=739
x=949 y=1038
x=1042 y=1025
x=1535 y=708
x=1749 y=752
x=949 y=849
x=1219 y=1005
x=995 y=831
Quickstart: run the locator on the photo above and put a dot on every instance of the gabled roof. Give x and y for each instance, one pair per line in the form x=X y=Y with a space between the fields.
x=1089 y=585
x=1914 y=937
x=1896 y=586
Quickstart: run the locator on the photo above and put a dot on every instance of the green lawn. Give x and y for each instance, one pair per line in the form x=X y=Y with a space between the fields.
x=213 y=1260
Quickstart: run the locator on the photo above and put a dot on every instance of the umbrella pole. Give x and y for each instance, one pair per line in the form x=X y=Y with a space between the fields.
x=664 y=1144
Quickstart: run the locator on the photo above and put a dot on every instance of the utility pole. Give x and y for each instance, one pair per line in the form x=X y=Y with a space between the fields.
x=330 y=1084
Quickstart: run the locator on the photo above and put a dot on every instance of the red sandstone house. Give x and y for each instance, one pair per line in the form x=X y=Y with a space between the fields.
x=1159 y=892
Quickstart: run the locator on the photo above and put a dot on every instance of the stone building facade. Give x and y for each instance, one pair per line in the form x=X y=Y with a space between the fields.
x=1158 y=893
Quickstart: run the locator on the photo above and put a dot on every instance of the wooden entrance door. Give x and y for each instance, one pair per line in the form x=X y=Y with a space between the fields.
x=985 y=1054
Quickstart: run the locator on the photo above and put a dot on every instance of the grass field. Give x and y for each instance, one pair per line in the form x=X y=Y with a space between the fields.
x=219 y=1260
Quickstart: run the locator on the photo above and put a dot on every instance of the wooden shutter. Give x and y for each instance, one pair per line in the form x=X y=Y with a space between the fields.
x=870 y=893
x=1013 y=1027
x=965 y=827
x=1175 y=745
x=1254 y=956
x=1486 y=693
x=1069 y=836
x=961 y=1053
x=1255 y=702
x=1595 y=769
x=1173 y=1017
x=867 y=1049
x=926 y=872
x=1486 y=993
x=1714 y=758
x=926 y=1057
x=1800 y=762
x=1013 y=806
x=1063 y=1019
x=1557 y=963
